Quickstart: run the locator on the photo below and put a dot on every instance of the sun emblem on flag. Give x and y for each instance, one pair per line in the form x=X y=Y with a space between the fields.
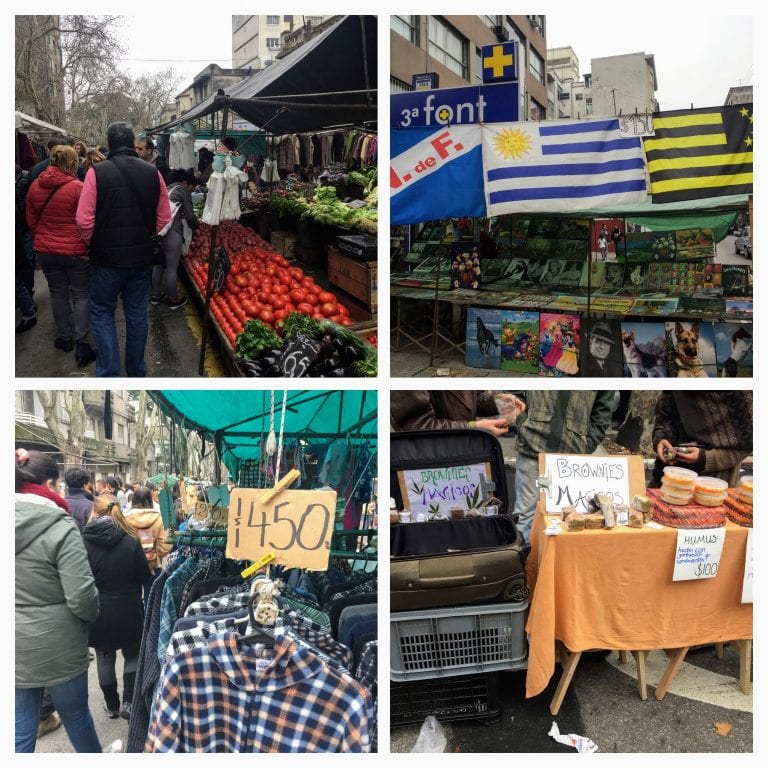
x=512 y=144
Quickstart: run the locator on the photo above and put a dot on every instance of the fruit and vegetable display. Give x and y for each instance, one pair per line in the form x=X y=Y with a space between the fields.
x=262 y=291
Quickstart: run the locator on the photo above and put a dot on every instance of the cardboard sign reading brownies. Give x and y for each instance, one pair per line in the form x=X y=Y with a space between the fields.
x=570 y=479
x=296 y=525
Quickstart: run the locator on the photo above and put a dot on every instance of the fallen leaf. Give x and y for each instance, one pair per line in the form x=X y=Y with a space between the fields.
x=722 y=728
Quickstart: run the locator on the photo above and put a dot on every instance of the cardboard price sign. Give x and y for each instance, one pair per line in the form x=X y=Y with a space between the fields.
x=210 y=513
x=296 y=525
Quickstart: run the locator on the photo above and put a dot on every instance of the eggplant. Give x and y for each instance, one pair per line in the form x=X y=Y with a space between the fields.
x=337 y=372
x=251 y=368
x=273 y=370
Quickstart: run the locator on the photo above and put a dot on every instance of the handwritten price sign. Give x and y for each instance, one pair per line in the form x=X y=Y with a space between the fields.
x=698 y=554
x=296 y=525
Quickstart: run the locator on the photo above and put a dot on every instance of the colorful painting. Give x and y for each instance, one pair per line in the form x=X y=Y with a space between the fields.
x=653 y=306
x=737 y=279
x=613 y=277
x=538 y=248
x=593 y=276
x=483 y=339
x=465 y=265
x=738 y=307
x=696 y=243
x=601 y=352
x=690 y=349
x=520 y=341
x=574 y=229
x=573 y=250
x=559 y=340
x=544 y=227
x=636 y=276
x=535 y=269
x=553 y=270
x=645 y=350
x=733 y=349
x=701 y=305
x=649 y=246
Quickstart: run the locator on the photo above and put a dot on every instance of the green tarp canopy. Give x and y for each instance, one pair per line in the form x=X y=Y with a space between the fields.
x=236 y=420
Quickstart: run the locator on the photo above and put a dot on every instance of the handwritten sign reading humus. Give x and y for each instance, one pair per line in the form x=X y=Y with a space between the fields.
x=296 y=525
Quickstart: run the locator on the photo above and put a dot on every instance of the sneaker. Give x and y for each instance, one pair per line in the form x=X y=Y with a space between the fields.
x=156 y=299
x=125 y=712
x=84 y=354
x=178 y=303
x=51 y=723
x=115 y=746
x=65 y=345
x=112 y=714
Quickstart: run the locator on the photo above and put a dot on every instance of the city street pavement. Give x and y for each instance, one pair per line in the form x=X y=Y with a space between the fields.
x=107 y=729
x=603 y=704
x=173 y=343
x=449 y=361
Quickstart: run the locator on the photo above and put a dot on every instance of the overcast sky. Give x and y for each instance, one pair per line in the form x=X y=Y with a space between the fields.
x=698 y=57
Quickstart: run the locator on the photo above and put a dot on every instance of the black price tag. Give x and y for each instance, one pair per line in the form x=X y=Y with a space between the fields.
x=221 y=267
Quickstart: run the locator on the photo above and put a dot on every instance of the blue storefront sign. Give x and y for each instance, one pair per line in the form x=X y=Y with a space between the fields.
x=425 y=81
x=499 y=62
x=455 y=106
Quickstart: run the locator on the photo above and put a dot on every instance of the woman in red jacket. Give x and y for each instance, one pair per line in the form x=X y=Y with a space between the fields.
x=61 y=252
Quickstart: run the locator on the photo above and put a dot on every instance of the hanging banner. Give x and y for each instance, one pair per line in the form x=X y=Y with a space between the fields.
x=295 y=525
x=564 y=165
x=428 y=167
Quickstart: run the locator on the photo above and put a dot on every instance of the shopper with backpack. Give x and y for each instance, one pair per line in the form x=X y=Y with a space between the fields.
x=148 y=526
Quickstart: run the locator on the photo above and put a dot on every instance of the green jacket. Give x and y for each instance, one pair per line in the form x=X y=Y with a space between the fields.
x=56 y=596
x=563 y=421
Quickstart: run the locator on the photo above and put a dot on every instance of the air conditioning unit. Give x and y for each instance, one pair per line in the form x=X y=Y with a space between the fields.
x=501 y=33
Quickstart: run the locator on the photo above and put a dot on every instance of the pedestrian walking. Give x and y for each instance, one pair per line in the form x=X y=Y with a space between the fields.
x=602 y=244
x=123 y=205
x=80 y=501
x=119 y=569
x=56 y=599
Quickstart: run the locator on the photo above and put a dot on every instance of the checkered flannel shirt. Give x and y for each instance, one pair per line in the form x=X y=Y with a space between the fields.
x=170 y=601
x=211 y=700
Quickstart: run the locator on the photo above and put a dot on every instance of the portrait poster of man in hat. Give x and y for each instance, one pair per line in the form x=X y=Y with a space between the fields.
x=601 y=349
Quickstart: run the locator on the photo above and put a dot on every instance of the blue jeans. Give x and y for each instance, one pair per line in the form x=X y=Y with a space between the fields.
x=526 y=493
x=71 y=702
x=107 y=283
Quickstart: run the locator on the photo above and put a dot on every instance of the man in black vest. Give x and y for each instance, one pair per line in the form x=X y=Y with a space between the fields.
x=123 y=205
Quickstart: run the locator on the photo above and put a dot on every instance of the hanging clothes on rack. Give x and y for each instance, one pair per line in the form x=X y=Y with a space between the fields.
x=181 y=154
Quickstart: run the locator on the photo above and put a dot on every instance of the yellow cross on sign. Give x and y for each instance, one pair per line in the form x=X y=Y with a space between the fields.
x=497 y=61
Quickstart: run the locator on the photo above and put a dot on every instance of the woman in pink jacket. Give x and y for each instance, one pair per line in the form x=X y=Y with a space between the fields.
x=61 y=252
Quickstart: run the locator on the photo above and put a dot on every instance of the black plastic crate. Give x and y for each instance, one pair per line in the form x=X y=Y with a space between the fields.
x=466 y=697
x=360 y=247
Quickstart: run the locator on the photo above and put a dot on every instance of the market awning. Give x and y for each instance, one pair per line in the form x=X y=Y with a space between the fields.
x=23 y=119
x=238 y=420
x=327 y=82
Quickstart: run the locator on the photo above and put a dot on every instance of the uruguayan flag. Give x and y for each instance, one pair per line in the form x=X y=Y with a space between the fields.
x=566 y=165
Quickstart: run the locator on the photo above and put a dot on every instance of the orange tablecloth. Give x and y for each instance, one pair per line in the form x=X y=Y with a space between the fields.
x=613 y=589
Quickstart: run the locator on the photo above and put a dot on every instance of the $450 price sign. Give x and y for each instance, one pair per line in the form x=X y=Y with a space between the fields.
x=296 y=525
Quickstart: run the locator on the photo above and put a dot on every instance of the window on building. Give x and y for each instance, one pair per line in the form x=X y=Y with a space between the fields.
x=273 y=19
x=273 y=42
x=478 y=64
x=406 y=26
x=447 y=46
x=536 y=65
x=587 y=81
x=121 y=432
x=537 y=111
x=288 y=19
x=26 y=401
x=579 y=96
x=398 y=86
x=491 y=21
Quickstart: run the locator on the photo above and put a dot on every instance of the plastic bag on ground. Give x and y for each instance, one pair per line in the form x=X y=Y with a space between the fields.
x=431 y=737
x=579 y=743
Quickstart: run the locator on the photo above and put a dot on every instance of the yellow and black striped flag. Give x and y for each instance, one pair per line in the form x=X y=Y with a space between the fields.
x=698 y=153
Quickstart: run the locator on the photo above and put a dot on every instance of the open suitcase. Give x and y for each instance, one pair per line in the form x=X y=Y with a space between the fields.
x=459 y=561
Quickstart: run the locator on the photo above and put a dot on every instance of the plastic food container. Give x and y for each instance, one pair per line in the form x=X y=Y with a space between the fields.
x=745 y=484
x=709 y=499
x=674 y=496
x=506 y=405
x=680 y=478
x=712 y=486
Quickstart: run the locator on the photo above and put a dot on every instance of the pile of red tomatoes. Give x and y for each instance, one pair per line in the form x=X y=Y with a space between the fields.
x=261 y=283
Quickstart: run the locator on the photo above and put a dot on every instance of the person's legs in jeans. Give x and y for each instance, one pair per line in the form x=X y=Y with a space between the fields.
x=80 y=283
x=106 y=284
x=24 y=300
x=157 y=281
x=135 y=307
x=526 y=494
x=105 y=668
x=172 y=243
x=56 y=274
x=27 y=718
x=46 y=707
x=71 y=702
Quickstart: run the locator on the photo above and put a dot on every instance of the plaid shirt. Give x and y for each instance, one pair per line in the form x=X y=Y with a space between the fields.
x=365 y=673
x=210 y=700
x=169 y=605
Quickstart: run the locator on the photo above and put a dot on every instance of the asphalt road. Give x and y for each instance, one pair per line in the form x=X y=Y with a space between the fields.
x=603 y=705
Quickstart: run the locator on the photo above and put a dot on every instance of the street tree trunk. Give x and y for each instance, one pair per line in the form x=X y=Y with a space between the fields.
x=147 y=429
x=69 y=439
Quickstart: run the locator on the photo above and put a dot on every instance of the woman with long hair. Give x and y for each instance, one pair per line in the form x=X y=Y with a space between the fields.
x=56 y=598
x=61 y=252
x=120 y=569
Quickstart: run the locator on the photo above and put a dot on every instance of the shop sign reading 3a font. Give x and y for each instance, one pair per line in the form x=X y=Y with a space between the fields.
x=296 y=525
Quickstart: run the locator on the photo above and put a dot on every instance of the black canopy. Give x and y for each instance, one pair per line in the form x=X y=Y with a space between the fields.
x=328 y=81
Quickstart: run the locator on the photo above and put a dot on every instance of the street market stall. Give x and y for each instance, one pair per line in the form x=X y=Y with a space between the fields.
x=550 y=238
x=287 y=545
x=312 y=199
